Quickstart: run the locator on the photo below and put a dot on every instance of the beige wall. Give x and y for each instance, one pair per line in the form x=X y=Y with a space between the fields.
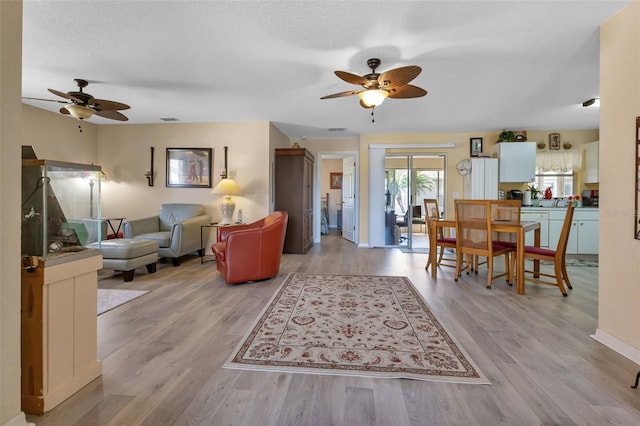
x=57 y=137
x=619 y=272
x=461 y=150
x=124 y=154
x=10 y=172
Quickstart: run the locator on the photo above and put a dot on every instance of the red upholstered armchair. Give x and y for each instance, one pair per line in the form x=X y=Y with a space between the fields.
x=251 y=252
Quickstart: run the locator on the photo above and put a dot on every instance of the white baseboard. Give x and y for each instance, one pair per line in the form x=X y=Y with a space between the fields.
x=19 y=420
x=617 y=345
x=363 y=245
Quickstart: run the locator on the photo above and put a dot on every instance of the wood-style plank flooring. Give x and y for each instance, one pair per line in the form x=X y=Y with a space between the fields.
x=163 y=354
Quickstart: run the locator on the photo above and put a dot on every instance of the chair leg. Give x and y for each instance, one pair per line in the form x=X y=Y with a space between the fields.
x=441 y=255
x=458 y=264
x=565 y=276
x=559 y=280
x=512 y=268
x=506 y=267
x=489 y=271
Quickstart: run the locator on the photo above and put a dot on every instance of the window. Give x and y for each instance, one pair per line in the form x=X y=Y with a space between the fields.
x=562 y=184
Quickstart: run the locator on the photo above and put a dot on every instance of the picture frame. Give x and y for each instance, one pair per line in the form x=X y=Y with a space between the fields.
x=335 y=180
x=189 y=167
x=554 y=141
x=475 y=146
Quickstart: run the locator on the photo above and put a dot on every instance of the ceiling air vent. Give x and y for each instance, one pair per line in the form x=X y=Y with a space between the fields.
x=169 y=119
x=337 y=129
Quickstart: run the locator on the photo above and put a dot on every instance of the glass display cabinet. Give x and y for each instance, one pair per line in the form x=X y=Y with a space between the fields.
x=60 y=209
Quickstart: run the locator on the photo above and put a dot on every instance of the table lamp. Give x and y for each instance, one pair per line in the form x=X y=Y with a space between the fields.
x=227 y=187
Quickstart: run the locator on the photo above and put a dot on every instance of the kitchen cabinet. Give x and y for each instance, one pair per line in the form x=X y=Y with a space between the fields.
x=517 y=161
x=294 y=194
x=591 y=153
x=541 y=216
x=583 y=237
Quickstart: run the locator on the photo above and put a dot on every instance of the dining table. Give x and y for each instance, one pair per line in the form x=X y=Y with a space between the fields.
x=519 y=228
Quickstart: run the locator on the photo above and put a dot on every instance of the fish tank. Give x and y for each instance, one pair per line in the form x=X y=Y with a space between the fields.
x=60 y=211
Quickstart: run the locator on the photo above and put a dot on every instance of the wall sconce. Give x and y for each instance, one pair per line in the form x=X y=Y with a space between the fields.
x=148 y=173
x=223 y=172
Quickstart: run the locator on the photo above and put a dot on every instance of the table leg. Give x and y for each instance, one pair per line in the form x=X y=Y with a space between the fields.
x=432 y=249
x=536 y=262
x=520 y=259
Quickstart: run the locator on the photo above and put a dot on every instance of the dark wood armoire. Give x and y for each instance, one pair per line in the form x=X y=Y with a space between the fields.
x=294 y=194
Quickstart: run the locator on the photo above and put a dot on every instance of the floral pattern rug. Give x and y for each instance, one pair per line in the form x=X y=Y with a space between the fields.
x=355 y=325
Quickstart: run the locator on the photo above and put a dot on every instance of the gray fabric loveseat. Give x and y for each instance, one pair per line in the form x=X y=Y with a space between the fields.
x=176 y=228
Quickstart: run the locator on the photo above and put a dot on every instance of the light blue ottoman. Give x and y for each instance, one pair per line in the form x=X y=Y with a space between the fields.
x=127 y=254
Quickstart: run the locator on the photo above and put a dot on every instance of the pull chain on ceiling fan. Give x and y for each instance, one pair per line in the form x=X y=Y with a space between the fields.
x=377 y=87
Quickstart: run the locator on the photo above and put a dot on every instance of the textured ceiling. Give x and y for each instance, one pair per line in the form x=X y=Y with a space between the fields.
x=487 y=65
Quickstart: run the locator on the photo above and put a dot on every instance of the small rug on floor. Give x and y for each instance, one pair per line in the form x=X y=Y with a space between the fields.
x=109 y=299
x=576 y=262
x=353 y=325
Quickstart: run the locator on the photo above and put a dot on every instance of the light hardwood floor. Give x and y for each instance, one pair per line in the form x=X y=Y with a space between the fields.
x=163 y=354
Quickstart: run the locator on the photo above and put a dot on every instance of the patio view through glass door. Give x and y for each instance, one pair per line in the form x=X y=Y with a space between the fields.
x=409 y=179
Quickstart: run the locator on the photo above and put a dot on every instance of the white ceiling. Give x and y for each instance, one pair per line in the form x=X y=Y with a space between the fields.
x=487 y=65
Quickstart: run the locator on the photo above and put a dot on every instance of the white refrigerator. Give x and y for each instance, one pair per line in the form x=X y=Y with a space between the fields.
x=481 y=181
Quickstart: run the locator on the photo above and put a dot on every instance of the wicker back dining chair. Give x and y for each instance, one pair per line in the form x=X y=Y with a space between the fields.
x=557 y=257
x=431 y=214
x=474 y=237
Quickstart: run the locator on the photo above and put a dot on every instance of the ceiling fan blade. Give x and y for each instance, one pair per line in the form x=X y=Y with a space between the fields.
x=407 y=91
x=341 y=94
x=103 y=104
x=48 y=100
x=112 y=114
x=66 y=96
x=353 y=78
x=399 y=76
x=63 y=110
x=363 y=105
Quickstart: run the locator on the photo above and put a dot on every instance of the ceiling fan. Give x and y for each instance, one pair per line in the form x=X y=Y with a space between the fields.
x=82 y=105
x=377 y=87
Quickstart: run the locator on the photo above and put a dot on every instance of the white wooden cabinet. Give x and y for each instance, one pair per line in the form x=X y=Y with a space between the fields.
x=591 y=153
x=541 y=216
x=517 y=161
x=583 y=237
x=59 y=328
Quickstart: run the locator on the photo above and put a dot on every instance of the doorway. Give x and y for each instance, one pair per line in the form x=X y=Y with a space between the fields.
x=336 y=205
x=409 y=179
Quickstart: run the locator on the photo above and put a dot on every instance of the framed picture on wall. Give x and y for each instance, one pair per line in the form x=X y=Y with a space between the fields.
x=554 y=141
x=475 y=146
x=189 y=167
x=335 y=180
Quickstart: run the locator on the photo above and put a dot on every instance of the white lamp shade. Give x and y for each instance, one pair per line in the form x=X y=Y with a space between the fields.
x=373 y=97
x=80 y=112
x=227 y=187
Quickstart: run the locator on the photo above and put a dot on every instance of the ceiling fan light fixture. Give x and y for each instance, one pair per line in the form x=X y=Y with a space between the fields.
x=79 y=111
x=373 y=97
x=593 y=102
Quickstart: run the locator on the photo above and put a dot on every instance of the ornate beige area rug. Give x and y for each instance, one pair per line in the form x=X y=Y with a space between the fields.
x=353 y=325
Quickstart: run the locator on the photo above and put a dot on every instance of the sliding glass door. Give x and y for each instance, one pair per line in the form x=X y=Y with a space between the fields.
x=409 y=179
